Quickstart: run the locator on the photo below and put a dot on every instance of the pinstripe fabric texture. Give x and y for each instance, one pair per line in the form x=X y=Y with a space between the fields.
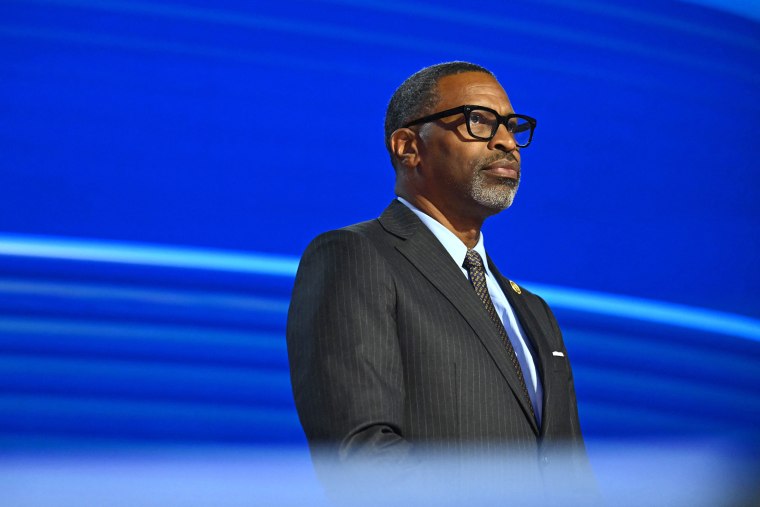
x=390 y=349
x=476 y=270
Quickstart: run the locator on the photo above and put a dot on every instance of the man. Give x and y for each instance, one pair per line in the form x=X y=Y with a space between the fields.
x=402 y=334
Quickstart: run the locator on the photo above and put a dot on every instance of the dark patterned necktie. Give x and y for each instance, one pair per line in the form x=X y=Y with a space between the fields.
x=474 y=266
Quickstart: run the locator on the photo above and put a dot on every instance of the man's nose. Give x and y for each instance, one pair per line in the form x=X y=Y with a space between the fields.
x=503 y=140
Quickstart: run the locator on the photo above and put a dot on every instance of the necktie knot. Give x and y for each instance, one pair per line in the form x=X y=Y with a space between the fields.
x=473 y=260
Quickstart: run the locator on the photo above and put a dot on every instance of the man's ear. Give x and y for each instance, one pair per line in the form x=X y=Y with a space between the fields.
x=405 y=148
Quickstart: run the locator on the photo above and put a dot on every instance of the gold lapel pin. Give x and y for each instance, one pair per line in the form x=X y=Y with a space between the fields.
x=515 y=287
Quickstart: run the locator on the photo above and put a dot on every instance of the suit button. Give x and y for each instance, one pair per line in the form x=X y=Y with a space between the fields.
x=545 y=460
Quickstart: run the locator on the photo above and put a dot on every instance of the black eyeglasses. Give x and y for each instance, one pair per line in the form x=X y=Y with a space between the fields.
x=483 y=122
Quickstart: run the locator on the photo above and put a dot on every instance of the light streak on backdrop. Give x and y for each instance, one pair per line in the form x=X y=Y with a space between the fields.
x=286 y=266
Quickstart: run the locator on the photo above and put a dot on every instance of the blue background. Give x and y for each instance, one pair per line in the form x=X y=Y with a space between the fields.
x=165 y=163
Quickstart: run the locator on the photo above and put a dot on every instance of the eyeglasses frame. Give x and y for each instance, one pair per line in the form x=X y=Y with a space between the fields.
x=469 y=108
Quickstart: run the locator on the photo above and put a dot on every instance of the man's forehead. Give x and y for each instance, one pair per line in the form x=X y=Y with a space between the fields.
x=476 y=88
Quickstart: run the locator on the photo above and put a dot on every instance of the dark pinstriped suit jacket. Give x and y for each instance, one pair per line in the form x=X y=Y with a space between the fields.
x=390 y=347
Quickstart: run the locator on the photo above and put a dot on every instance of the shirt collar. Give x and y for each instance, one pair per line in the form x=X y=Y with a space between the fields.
x=457 y=250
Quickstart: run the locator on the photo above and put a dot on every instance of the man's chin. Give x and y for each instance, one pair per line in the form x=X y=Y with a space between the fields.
x=497 y=201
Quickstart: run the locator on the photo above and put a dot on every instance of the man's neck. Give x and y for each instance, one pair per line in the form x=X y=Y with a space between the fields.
x=467 y=230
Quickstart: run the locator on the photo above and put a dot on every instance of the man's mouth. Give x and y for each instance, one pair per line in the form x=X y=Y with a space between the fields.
x=503 y=168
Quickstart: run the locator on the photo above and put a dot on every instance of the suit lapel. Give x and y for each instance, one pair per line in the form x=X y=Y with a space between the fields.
x=423 y=250
x=532 y=330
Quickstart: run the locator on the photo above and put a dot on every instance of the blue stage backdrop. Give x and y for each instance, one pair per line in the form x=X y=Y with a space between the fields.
x=164 y=163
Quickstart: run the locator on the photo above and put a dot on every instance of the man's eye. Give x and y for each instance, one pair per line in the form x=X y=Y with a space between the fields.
x=477 y=118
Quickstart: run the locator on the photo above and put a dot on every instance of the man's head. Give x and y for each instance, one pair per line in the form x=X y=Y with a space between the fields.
x=440 y=161
x=418 y=95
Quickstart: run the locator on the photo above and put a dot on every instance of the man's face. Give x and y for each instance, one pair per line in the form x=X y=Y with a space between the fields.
x=460 y=174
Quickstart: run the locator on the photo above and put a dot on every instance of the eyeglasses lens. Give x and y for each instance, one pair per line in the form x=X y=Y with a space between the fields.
x=483 y=125
x=521 y=129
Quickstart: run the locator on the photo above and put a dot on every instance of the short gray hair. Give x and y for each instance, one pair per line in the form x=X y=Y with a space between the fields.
x=418 y=95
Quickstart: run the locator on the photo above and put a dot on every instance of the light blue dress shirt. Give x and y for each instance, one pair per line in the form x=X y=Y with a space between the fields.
x=458 y=251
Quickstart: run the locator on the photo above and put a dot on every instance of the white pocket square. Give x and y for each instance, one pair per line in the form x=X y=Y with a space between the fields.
x=558 y=353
